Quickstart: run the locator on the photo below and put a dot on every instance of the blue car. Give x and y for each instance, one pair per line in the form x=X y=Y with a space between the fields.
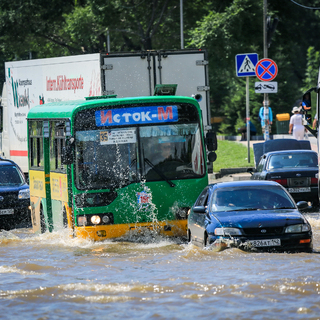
x=249 y=215
x=14 y=197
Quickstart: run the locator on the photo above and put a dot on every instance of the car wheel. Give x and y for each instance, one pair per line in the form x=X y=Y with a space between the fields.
x=315 y=205
x=43 y=226
x=205 y=240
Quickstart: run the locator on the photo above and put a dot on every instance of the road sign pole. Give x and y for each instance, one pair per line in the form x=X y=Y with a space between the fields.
x=266 y=117
x=248 y=117
x=265 y=54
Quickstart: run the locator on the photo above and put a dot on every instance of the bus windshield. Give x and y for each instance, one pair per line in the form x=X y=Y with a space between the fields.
x=111 y=158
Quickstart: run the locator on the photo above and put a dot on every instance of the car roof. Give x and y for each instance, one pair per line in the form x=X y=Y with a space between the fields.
x=245 y=183
x=289 y=151
x=7 y=162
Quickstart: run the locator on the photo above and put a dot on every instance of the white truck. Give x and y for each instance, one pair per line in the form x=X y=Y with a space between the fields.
x=33 y=82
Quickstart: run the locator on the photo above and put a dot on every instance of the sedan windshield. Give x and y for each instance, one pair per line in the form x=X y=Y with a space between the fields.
x=10 y=176
x=293 y=160
x=250 y=198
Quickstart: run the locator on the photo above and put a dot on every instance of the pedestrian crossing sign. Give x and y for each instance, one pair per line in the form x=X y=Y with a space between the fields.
x=246 y=64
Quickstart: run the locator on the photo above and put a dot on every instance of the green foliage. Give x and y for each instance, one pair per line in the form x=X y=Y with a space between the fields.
x=225 y=28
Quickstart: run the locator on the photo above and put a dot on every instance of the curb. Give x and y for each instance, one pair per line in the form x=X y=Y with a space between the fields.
x=225 y=172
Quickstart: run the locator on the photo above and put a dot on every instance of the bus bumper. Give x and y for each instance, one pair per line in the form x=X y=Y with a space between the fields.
x=174 y=228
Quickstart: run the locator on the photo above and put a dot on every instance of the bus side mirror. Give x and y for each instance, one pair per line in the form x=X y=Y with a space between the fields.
x=67 y=152
x=211 y=141
x=212 y=156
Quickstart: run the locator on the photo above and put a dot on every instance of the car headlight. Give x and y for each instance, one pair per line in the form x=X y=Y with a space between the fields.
x=227 y=232
x=297 y=228
x=24 y=194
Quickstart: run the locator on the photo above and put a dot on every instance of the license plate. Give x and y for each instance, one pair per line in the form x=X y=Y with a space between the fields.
x=265 y=243
x=299 y=182
x=297 y=190
x=6 y=211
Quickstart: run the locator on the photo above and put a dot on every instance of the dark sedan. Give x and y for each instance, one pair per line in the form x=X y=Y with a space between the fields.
x=249 y=215
x=14 y=196
x=296 y=170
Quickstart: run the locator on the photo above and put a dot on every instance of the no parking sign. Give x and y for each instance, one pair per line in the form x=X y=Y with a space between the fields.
x=266 y=69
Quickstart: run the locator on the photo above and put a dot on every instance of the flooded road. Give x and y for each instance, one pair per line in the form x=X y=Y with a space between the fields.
x=52 y=276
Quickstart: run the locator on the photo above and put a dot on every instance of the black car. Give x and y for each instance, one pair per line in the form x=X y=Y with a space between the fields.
x=296 y=170
x=14 y=196
x=249 y=215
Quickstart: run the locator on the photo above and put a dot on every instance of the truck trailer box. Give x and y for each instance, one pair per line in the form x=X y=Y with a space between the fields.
x=35 y=82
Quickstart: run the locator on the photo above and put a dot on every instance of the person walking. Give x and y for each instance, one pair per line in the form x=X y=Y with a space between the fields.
x=262 y=120
x=295 y=125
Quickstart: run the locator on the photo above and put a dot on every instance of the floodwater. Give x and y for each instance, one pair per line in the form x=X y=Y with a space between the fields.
x=52 y=276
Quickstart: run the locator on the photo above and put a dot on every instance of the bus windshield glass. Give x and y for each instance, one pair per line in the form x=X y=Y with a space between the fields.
x=104 y=159
x=171 y=151
x=112 y=157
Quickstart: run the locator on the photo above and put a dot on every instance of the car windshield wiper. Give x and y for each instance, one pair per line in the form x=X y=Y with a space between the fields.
x=171 y=184
x=285 y=208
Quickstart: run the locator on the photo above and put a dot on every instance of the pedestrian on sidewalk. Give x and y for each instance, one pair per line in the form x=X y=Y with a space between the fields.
x=269 y=120
x=243 y=130
x=295 y=125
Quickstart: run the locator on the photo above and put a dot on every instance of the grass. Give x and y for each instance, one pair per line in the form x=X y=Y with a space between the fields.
x=232 y=155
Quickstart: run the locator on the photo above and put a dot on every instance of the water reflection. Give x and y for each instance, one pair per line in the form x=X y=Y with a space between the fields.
x=52 y=276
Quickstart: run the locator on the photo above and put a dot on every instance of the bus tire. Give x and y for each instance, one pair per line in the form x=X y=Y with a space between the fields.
x=65 y=218
x=43 y=227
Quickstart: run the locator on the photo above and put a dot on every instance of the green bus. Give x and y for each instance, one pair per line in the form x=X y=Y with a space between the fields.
x=106 y=166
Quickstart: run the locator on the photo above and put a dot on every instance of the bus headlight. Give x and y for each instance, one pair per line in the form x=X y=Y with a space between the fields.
x=106 y=219
x=82 y=220
x=95 y=219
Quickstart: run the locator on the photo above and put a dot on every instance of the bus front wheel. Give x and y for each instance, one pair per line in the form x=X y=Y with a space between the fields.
x=65 y=218
x=43 y=226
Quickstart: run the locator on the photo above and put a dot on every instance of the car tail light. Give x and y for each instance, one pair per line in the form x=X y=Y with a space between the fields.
x=314 y=180
x=283 y=182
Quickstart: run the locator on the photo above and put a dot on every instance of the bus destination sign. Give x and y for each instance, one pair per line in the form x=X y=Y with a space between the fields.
x=140 y=115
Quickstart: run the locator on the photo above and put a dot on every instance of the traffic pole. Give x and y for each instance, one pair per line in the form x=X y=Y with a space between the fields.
x=265 y=54
x=248 y=117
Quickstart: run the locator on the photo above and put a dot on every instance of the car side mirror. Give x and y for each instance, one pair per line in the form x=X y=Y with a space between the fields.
x=251 y=170
x=199 y=209
x=302 y=205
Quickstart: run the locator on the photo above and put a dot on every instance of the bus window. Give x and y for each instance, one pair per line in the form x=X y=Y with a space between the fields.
x=105 y=158
x=57 y=144
x=36 y=144
x=174 y=150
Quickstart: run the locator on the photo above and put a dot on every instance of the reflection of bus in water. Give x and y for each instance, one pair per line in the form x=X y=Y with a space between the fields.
x=106 y=166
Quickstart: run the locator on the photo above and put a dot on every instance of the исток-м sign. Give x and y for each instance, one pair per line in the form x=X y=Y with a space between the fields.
x=140 y=115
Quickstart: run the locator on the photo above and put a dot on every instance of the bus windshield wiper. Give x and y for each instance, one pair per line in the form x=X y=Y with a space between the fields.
x=171 y=184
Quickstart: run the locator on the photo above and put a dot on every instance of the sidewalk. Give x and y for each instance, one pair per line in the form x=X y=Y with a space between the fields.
x=237 y=174
x=312 y=139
